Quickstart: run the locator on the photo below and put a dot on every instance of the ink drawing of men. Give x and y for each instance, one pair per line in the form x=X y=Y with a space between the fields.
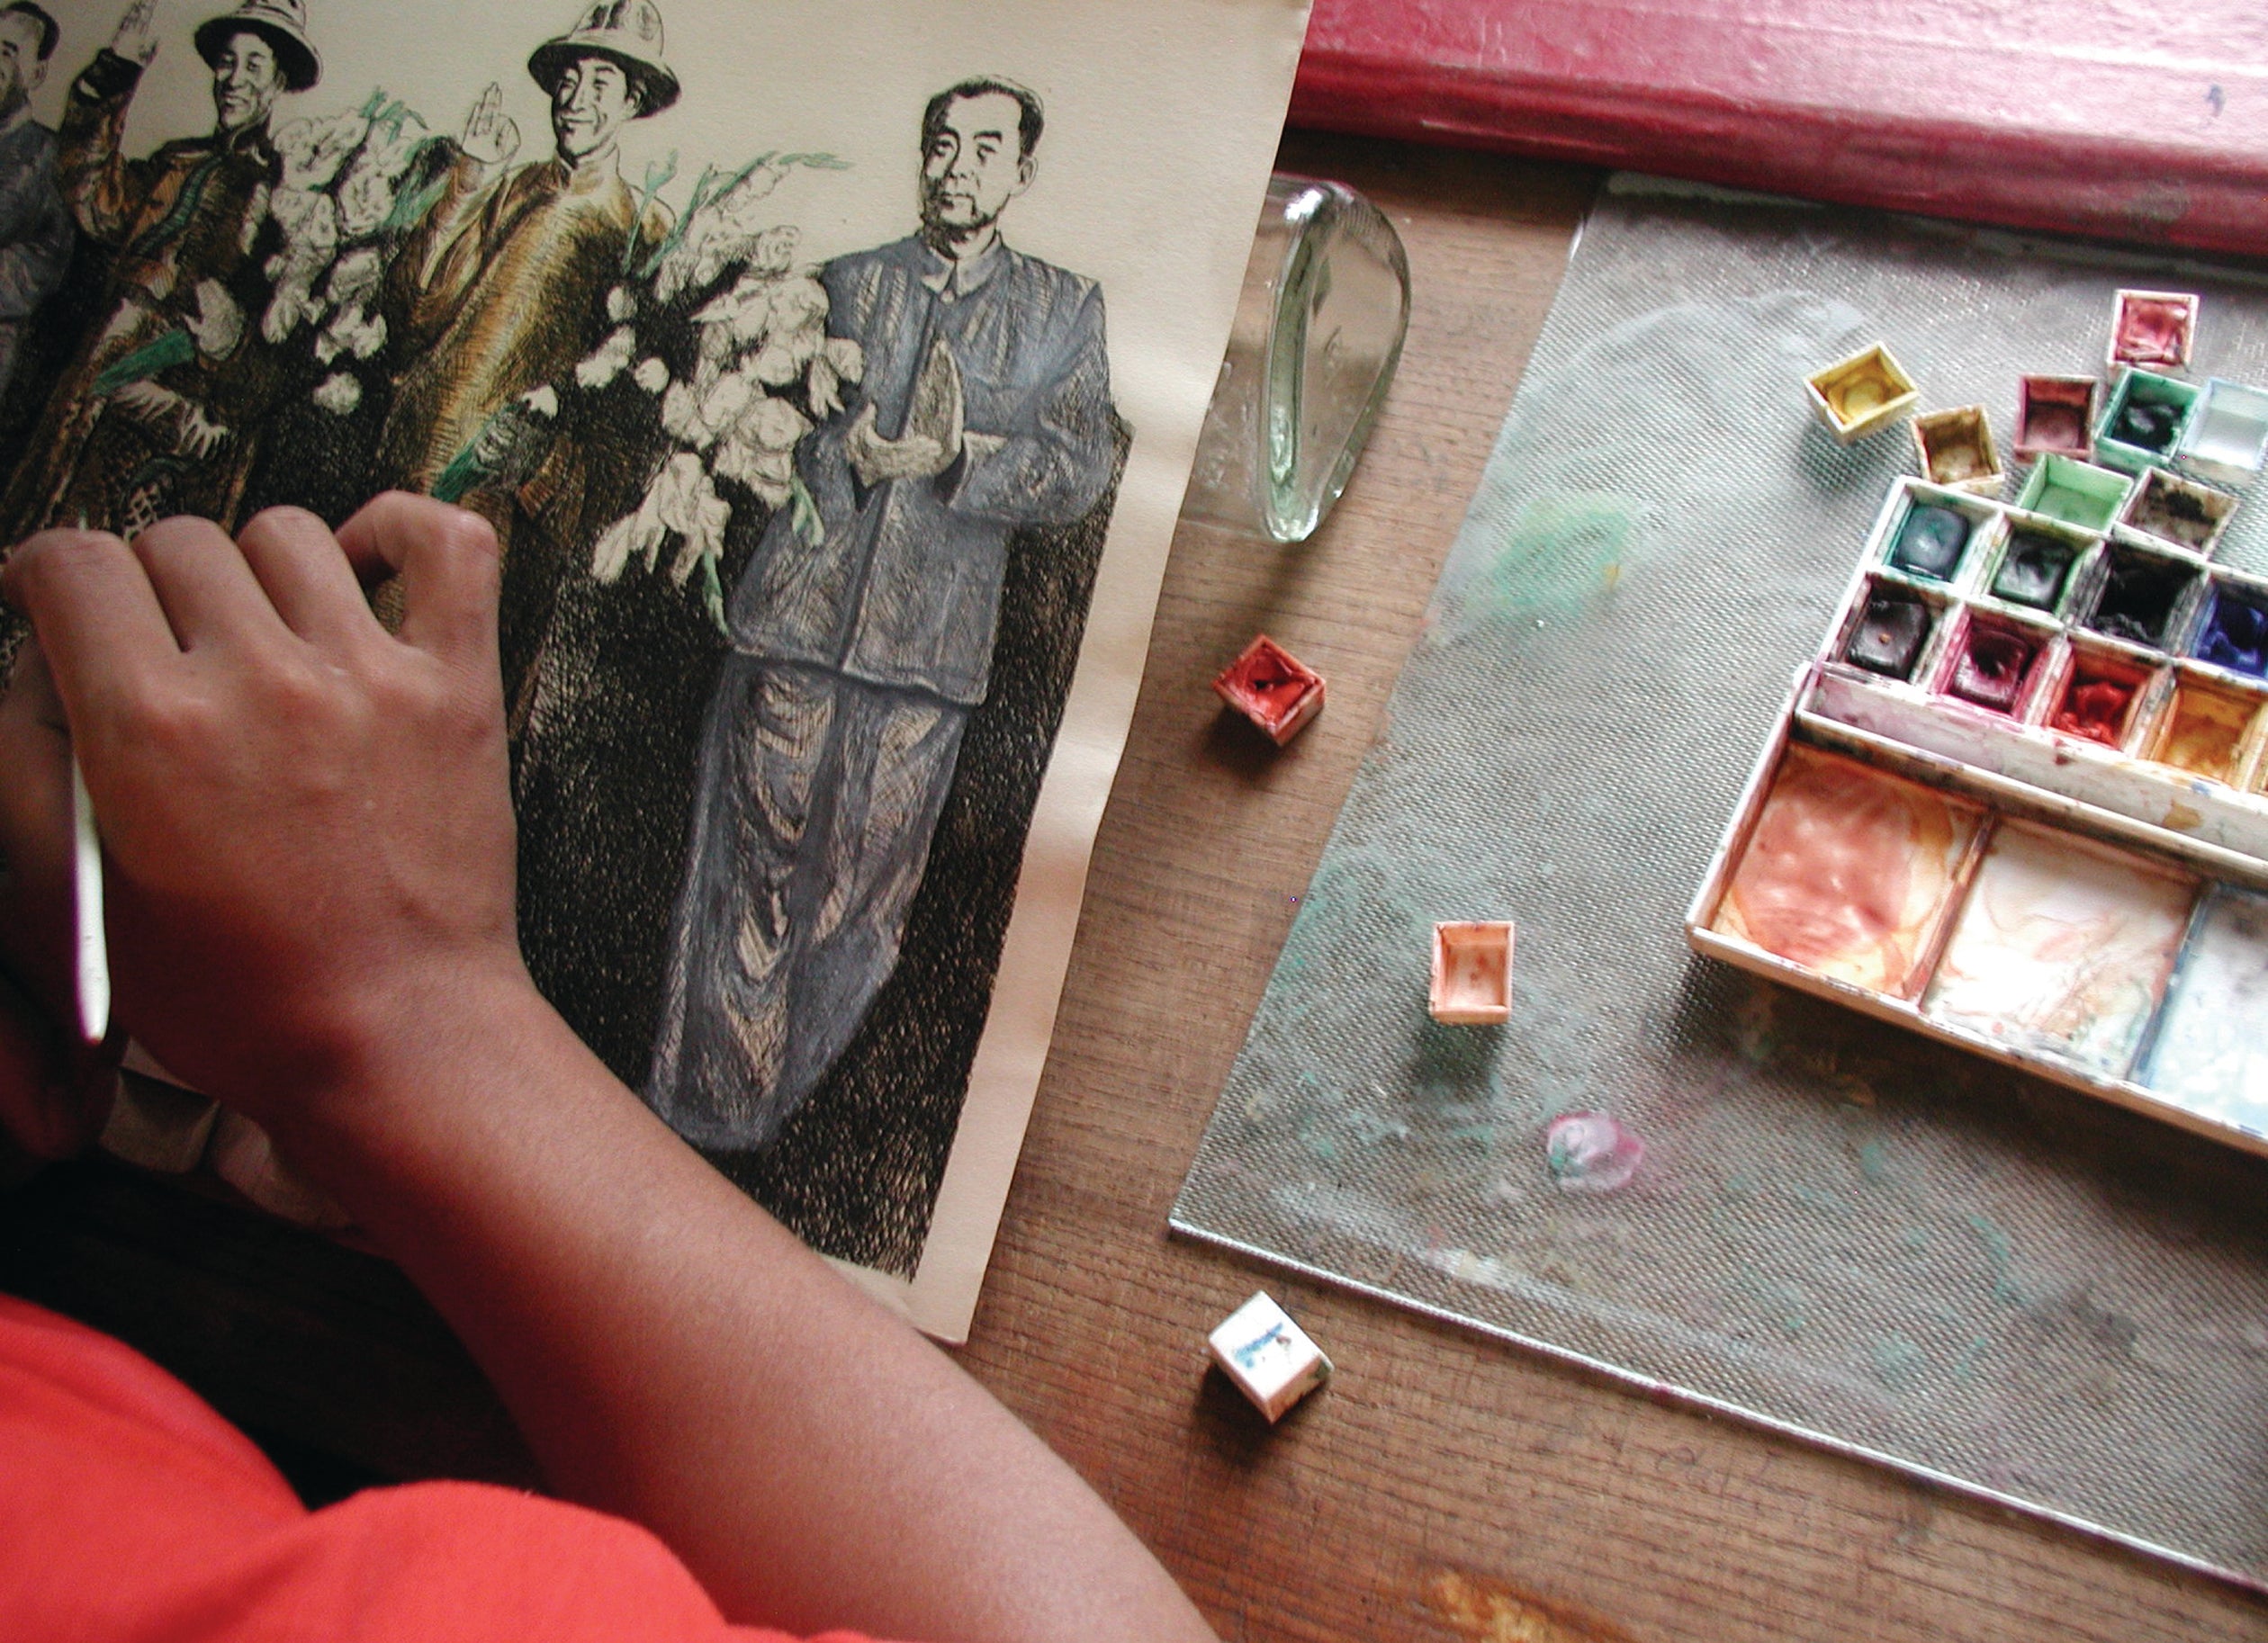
x=36 y=235
x=150 y=417
x=501 y=287
x=861 y=642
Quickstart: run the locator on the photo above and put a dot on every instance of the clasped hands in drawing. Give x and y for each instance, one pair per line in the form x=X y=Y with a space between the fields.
x=932 y=438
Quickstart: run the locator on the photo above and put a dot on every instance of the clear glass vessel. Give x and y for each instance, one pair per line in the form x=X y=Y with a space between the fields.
x=1318 y=333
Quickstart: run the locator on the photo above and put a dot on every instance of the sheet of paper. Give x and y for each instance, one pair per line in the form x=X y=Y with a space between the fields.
x=819 y=662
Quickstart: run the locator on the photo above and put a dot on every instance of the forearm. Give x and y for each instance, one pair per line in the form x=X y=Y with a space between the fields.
x=674 y=1355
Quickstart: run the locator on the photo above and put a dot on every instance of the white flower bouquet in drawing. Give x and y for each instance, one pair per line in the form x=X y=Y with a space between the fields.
x=761 y=371
x=351 y=185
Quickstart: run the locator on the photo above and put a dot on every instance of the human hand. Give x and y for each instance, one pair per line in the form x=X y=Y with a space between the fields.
x=490 y=136
x=54 y=1090
x=136 y=40
x=309 y=840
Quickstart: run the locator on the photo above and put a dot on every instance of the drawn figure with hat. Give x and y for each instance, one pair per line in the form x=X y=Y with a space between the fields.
x=502 y=289
x=154 y=415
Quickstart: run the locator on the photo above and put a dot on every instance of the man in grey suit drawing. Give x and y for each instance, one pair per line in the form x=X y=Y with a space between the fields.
x=863 y=642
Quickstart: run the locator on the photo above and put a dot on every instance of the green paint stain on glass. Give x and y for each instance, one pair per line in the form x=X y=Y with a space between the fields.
x=1898 y=1362
x=1563 y=550
x=2000 y=1253
x=1965 y=1366
x=1819 y=1198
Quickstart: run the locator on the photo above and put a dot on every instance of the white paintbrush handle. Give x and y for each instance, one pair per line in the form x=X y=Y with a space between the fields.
x=90 y=953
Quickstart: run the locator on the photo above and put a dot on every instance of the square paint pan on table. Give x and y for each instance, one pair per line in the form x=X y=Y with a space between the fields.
x=1956 y=449
x=2139 y=595
x=2065 y=488
x=2156 y=329
x=1471 y=974
x=1848 y=872
x=2063 y=947
x=2226 y=436
x=2054 y=416
x=1274 y=688
x=2039 y=565
x=2210 y=730
x=1861 y=395
x=2208 y=1051
x=2231 y=630
x=2178 y=512
x=2143 y=421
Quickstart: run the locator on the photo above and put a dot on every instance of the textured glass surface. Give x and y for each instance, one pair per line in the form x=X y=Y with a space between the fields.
x=1835 y=1225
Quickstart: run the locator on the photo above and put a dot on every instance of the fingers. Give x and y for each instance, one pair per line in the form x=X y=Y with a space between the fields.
x=99 y=620
x=207 y=591
x=306 y=575
x=446 y=558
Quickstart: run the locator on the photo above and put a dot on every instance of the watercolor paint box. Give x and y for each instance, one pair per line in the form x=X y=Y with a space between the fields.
x=2017 y=804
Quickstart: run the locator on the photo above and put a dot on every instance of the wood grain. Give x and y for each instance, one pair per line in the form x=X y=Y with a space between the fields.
x=1443 y=1487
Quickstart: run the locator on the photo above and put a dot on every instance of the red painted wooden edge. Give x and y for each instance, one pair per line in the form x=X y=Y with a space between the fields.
x=2109 y=118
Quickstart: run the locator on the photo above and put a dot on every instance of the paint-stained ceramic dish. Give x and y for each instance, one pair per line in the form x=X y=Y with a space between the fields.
x=2020 y=802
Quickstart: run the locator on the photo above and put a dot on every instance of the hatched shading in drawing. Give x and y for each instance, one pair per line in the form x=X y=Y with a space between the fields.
x=797 y=553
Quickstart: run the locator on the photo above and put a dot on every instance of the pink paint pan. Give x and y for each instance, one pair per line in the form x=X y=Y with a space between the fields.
x=1273 y=688
x=2153 y=329
x=2054 y=416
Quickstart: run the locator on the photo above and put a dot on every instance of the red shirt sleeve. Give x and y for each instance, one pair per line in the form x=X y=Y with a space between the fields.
x=128 y=1508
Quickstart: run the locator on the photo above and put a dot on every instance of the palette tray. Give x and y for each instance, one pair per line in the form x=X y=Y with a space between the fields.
x=2017 y=804
x=1677 y=1171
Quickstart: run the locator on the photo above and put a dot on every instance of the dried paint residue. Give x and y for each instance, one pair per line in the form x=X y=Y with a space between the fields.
x=2062 y=948
x=2153 y=330
x=1589 y=1152
x=2206 y=735
x=2211 y=1052
x=2096 y=709
x=1487 y=1612
x=1274 y=681
x=1850 y=872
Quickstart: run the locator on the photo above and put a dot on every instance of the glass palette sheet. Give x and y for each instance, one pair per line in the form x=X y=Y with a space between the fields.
x=1838 y=1228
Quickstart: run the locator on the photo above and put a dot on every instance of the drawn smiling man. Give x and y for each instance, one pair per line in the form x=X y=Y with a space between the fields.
x=500 y=290
x=140 y=423
x=862 y=643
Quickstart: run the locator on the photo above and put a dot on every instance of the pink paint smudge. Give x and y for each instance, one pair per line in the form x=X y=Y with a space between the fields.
x=1590 y=1153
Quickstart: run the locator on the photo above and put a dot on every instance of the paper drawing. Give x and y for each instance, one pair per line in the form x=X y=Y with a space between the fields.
x=805 y=459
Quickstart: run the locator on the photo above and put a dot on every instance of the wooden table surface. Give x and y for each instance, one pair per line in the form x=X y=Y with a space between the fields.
x=1443 y=1486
